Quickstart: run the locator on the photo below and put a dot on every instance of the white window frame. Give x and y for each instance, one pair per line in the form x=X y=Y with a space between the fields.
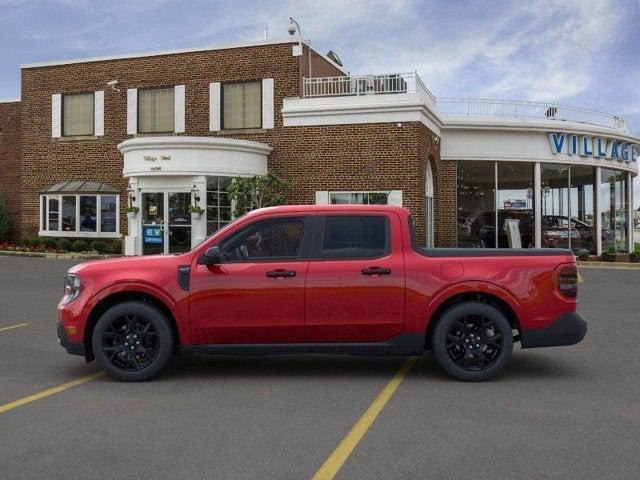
x=44 y=216
x=388 y=193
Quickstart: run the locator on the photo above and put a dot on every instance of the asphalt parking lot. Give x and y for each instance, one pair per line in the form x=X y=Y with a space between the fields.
x=565 y=413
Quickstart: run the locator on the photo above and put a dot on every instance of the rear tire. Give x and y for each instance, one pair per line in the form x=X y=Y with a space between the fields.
x=133 y=341
x=472 y=341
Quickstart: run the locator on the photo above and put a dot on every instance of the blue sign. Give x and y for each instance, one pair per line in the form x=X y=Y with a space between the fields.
x=597 y=147
x=153 y=234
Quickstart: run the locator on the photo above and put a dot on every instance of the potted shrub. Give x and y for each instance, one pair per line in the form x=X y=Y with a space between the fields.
x=132 y=211
x=583 y=255
x=610 y=255
x=195 y=211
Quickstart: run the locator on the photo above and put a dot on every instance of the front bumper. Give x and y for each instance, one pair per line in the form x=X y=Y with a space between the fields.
x=568 y=329
x=73 y=348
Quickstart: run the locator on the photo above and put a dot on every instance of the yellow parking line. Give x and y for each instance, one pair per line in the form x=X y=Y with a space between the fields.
x=580 y=279
x=334 y=463
x=13 y=326
x=46 y=393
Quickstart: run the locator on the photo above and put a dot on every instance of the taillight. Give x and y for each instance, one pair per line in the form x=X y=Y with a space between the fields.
x=568 y=281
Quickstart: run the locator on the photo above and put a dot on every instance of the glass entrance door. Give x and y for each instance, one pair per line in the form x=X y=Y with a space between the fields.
x=153 y=223
x=166 y=222
x=179 y=222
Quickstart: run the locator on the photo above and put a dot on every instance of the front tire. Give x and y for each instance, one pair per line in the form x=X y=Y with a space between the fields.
x=133 y=341
x=472 y=341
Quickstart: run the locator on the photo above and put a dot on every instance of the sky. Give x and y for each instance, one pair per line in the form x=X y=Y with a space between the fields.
x=577 y=52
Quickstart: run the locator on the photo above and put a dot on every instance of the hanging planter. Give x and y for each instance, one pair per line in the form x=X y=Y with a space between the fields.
x=132 y=212
x=195 y=211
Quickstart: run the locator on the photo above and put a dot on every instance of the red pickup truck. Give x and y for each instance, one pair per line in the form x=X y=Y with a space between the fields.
x=321 y=279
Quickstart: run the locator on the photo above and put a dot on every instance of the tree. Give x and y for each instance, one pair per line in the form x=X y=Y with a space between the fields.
x=250 y=193
x=4 y=221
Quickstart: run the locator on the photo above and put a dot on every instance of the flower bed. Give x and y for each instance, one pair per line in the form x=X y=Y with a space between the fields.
x=48 y=245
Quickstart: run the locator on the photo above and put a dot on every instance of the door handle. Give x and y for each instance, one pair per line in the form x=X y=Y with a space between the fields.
x=375 y=271
x=281 y=273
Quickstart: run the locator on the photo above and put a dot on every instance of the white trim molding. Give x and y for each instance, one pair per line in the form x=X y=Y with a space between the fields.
x=98 y=113
x=215 y=110
x=56 y=115
x=132 y=111
x=268 y=107
x=183 y=155
x=179 y=109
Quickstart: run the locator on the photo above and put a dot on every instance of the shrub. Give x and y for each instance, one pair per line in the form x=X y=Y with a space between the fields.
x=80 y=246
x=50 y=242
x=25 y=242
x=65 y=244
x=98 y=246
x=634 y=257
x=583 y=255
x=35 y=241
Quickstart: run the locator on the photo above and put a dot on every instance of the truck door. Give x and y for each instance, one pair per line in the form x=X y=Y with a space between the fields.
x=256 y=294
x=356 y=282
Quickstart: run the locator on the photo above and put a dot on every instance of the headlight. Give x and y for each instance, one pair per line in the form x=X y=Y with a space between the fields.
x=71 y=288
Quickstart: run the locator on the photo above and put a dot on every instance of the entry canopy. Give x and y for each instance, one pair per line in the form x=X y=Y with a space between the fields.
x=81 y=186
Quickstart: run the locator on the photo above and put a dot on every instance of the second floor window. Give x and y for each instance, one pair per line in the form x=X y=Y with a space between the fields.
x=156 y=110
x=78 y=114
x=242 y=105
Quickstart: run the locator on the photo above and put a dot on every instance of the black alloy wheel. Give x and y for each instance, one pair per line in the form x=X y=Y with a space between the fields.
x=472 y=341
x=133 y=340
x=130 y=342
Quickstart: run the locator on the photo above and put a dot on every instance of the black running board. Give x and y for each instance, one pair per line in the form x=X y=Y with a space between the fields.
x=405 y=344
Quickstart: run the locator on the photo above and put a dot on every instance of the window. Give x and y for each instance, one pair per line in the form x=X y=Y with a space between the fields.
x=156 y=110
x=79 y=215
x=359 y=198
x=108 y=213
x=218 y=203
x=516 y=222
x=555 y=206
x=352 y=237
x=476 y=204
x=242 y=105
x=614 y=211
x=581 y=207
x=273 y=239
x=78 y=114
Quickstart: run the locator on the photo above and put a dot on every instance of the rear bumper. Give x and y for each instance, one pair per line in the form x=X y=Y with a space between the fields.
x=71 y=347
x=568 y=329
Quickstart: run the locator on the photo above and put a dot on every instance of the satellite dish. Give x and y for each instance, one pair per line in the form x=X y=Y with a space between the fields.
x=334 y=56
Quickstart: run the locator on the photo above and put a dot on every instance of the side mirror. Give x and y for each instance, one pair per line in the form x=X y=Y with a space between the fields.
x=212 y=256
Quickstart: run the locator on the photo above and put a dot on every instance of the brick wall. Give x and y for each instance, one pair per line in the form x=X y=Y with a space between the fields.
x=9 y=160
x=341 y=157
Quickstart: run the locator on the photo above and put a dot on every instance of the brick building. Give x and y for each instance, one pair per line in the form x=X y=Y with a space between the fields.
x=163 y=131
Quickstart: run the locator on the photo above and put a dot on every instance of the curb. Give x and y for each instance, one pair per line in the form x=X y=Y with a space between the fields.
x=59 y=256
x=613 y=265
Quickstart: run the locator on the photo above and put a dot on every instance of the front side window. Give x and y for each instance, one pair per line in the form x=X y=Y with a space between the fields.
x=358 y=198
x=69 y=213
x=88 y=214
x=273 y=239
x=108 y=211
x=242 y=105
x=78 y=114
x=156 y=110
x=353 y=237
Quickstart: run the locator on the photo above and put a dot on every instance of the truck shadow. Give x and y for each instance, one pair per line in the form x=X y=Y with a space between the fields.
x=523 y=365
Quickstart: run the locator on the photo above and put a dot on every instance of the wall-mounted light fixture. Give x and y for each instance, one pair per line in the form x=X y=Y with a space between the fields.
x=195 y=193
x=132 y=194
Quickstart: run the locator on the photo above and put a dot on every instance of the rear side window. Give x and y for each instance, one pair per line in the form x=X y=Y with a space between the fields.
x=354 y=237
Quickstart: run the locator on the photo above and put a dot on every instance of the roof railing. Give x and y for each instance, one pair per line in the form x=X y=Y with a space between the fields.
x=527 y=109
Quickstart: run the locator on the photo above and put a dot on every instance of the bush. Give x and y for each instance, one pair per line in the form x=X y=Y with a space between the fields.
x=80 y=246
x=65 y=244
x=634 y=257
x=98 y=246
x=583 y=255
x=25 y=242
x=35 y=241
x=50 y=242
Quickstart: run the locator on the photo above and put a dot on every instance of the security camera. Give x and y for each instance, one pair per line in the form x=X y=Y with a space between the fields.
x=292 y=27
x=113 y=84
